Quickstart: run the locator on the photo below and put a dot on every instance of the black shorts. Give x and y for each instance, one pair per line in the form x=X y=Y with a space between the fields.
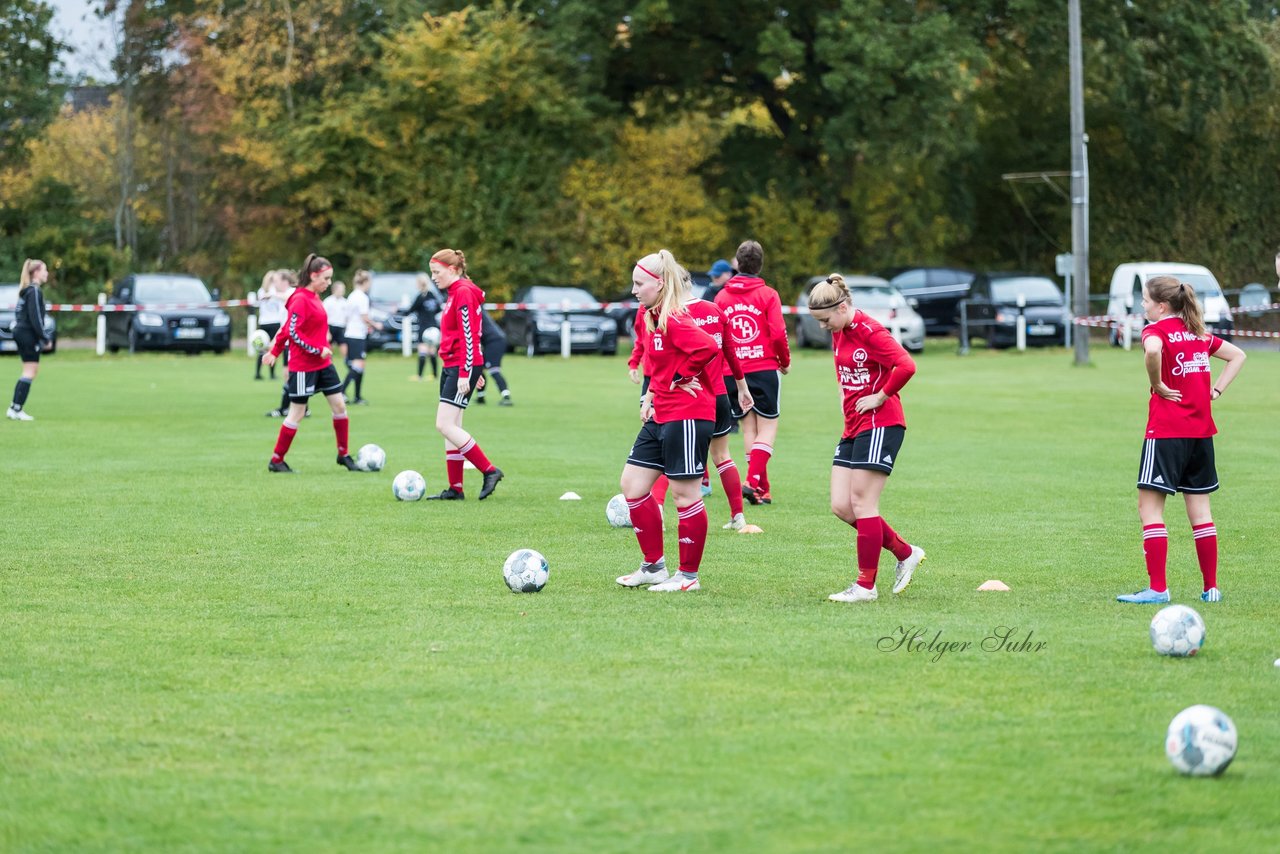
x=337 y=334
x=29 y=345
x=724 y=416
x=677 y=448
x=355 y=348
x=875 y=449
x=766 y=391
x=449 y=386
x=302 y=384
x=1178 y=465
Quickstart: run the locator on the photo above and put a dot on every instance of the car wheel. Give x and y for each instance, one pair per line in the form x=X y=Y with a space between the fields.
x=630 y=325
x=133 y=339
x=802 y=340
x=530 y=343
x=610 y=352
x=218 y=351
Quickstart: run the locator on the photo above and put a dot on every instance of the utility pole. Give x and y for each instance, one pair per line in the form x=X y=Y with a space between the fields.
x=1079 y=182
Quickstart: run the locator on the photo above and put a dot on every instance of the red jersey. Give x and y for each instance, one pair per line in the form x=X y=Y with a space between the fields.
x=754 y=314
x=868 y=360
x=1184 y=367
x=680 y=354
x=306 y=330
x=460 y=327
x=640 y=341
x=710 y=319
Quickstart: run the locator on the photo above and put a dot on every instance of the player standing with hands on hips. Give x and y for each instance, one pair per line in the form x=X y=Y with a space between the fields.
x=28 y=334
x=463 y=361
x=306 y=329
x=677 y=415
x=1177 y=455
x=871 y=368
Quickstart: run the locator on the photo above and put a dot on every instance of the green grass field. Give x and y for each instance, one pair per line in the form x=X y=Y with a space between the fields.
x=198 y=655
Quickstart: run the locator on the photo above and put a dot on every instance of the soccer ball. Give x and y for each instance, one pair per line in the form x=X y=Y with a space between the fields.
x=260 y=341
x=408 y=486
x=1177 y=630
x=431 y=335
x=525 y=571
x=617 y=512
x=1201 y=741
x=371 y=458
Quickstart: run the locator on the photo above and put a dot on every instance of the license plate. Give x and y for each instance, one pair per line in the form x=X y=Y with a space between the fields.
x=188 y=333
x=1040 y=329
x=583 y=337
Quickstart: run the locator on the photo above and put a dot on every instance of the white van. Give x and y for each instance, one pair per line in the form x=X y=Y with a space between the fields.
x=1126 y=294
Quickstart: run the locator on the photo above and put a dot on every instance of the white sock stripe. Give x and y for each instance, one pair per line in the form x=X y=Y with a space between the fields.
x=633 y=503
x=468 y=446
x=1151 y=535
x=761 y=446
x=1201 y=533
x=724 y=466
x=290 y=425
x=692 y=510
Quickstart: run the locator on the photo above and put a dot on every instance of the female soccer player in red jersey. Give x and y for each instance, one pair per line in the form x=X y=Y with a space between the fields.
x=306 y=330
x=871 y=368
x=1177 y=455
x=677 y=415
x=754 y=314
x=463 y=362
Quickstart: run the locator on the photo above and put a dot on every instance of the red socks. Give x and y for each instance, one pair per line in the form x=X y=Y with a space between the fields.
x=756 y=465
x=473 y=453
x=341 y=429
x=646 y=521
x=1206 y=537
x=732 y=484
x=693 y=535
x=659 y=490
x=283 y=441
x=453 y=469
x=870 y=541
x=901 y=548
x=1155 y=547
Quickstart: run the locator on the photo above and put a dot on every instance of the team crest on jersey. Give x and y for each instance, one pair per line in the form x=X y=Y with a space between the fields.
x=1198 y=363
x=745 y=327
x=859 y=355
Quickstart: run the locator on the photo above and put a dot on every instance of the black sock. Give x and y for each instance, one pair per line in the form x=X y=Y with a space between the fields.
x=257 y=369
x=422 y=363
x=20 y=392
x=499 y=379
x=359 y=382
x=284 y=400
x=434 y=373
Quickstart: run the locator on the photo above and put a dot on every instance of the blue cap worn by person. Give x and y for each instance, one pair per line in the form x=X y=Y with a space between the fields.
x=719 y=268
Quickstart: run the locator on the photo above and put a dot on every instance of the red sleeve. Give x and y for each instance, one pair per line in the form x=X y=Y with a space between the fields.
x=468 y=312
x=886 y=351
x=778 y=330
x=699 y=349
x=282 y=335
x=727 y=348
x=638 y=345
x=1214 y=344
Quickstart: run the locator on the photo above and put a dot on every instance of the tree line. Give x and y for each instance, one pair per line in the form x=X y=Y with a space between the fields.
x=557 y=141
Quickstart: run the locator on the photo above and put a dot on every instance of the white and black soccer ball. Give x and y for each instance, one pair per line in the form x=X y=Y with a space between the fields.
x=408 y=486
x=1178 y=631
x=1201 y=741
x=370 y=458
x=260 y=341
x=525 y=571
x=617 y=512
x=431 y=335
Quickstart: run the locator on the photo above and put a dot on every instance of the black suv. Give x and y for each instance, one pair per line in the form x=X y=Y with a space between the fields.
x=189 y=329
x=993 y=309
x=936 y=292
x=537 y=330
x=8 y=299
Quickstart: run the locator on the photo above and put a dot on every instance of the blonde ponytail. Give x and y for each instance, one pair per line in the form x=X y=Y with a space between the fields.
x=671 y=293
x=29 y=268
x=829 y=294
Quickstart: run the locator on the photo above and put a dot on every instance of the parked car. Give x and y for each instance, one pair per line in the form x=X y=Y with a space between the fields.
x=622 y=308
x=881 y=300
x=993 y=309
x=189 y=329
x=9 y=297
x=937 y=292
x=390 y=295
x=538 y=330
x=1125 y=297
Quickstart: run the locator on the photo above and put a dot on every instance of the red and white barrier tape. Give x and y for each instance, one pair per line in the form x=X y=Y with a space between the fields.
x=177 y=306
x=1106 y=321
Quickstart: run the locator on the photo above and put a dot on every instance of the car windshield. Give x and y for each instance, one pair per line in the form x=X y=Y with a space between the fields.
x=577 y=297
x=875 y=298
x=394 y=288
x=1204 y=285
x=1034 y=289
x=159 y=291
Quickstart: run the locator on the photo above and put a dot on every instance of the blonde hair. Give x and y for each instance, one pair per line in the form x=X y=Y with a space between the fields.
x=452 y=258
x=662 y=265
x=1182 y=301
x=267 y=277
x=289 y=276
x=829 y=294
x=29 y=268
x=424 y=281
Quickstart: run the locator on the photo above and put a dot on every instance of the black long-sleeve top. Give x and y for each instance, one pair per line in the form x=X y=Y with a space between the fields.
x=29 y=315
x=425 y=309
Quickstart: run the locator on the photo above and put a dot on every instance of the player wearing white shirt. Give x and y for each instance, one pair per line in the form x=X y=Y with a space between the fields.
x=336 y=308
x=271 y=313
x=357 y=331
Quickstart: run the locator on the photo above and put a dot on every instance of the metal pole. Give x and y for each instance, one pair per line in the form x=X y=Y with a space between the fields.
x=1020 y=325
x=1079 y=179
x=101 y=343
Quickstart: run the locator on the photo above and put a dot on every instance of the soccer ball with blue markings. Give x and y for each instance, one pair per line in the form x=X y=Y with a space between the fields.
x=370 y=458
x=525 y=571
x=1177 y=631
x=1201 y=741
x=408 y=486
x=617 y=512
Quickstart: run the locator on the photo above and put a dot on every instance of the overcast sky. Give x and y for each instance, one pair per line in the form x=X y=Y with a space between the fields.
x=75 y=23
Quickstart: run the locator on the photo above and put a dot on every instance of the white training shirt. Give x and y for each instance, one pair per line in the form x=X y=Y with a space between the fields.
x=357 y=308
x=336 y=308
x=271 y=306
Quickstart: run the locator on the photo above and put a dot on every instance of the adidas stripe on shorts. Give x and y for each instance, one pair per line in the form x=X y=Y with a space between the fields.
x=875 y=449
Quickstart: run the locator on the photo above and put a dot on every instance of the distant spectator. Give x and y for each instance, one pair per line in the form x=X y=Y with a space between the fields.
x=28 y=333
x=426 y=316
x=336 y=309
x=271 y=297
x=720 y=273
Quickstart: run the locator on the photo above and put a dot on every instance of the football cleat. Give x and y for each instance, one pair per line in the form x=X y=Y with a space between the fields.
x=491 y=479
x=449 y=494
x=648 y=573
x=345 y=460
x=737 y=523
x=906 y=568
x=855 y=593
x=18 y=415
x=676 y=584
x=280 y=468
x=1144 y=597
x=1213 y=594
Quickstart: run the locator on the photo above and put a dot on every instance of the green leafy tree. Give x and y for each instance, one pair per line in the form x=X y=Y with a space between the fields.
x=29 y=86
